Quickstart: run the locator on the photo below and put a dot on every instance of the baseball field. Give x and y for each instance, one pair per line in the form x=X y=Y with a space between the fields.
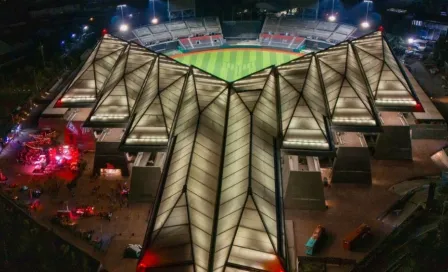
x=235 y=63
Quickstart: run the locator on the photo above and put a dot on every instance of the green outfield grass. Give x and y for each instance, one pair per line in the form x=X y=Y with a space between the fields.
x=232 y=64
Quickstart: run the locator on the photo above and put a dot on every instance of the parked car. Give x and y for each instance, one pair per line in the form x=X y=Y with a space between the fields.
x=350 y=241
x=434 y=70
x=315 y=240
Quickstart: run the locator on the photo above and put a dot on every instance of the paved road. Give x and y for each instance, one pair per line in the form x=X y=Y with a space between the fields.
x=432 y=84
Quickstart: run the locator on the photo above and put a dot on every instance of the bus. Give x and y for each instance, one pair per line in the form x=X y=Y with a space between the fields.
x=358 y=234
x=315 y=240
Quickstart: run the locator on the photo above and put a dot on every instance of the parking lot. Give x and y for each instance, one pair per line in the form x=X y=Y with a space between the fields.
x=127 y=225
x=350 y=205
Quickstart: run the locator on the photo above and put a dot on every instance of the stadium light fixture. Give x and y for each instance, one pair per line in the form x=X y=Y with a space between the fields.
x=365 y=24
x=332 y=16
x=85 y=28
x=154 y=19
x=91 y=19
x=124 y=27
x=121 y=7
x=73 y=35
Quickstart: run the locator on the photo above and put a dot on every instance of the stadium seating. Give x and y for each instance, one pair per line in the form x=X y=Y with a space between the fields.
x=186 y=44
x=327 y=32
x=173 y=31
x=212 y=25
x=270 y=25
x=175 y=25
x=193 y=23
x=202 y=42
x=158 y=28
x=198 y=30
x=282 y=32
x=282 y=41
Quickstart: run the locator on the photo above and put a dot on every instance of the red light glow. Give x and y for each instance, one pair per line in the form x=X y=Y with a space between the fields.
x=381 y=28
x=149 y=260
x=274 y=265
x=419 y=107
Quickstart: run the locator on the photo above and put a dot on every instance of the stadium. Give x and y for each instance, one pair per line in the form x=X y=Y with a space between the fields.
x=200 y=42
x=233 y=125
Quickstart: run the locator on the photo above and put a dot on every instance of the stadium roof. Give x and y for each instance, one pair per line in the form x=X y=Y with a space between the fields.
x=219 y=203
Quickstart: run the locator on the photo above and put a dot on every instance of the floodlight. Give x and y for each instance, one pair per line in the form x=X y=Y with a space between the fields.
x=365 y=24
x=332 y=18
x=154 y=20
x=124 y=27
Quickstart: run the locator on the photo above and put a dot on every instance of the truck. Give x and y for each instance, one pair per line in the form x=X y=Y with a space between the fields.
x=357 y=235
x=315 y=240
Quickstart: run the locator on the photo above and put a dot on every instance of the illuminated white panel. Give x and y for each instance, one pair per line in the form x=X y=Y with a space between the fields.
x=372 y=67
x=247 y=219
x=170 y=99
x=103 y=68
x=252 y=246
x=169 y=71
x=345 y=87
x=152 y=124
x=234 y=184
x=264 y=129
x=193 y=173
x=252 y=82
x=250 y=98
x=335 y=57
x=87 y=84
x=113 y=104
x=288 y=100
x=138 y=56
x=314 y=95
x=303 y=131
x=295 y=72
x=371 y=44
x=207 y=87
x=203 y=177
x=350 y=109
x=148 y=91
x=387 y=82
x=356 y=78
x=172 y=215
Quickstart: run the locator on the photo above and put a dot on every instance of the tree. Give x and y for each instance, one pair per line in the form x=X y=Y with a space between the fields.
x=396 y=43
